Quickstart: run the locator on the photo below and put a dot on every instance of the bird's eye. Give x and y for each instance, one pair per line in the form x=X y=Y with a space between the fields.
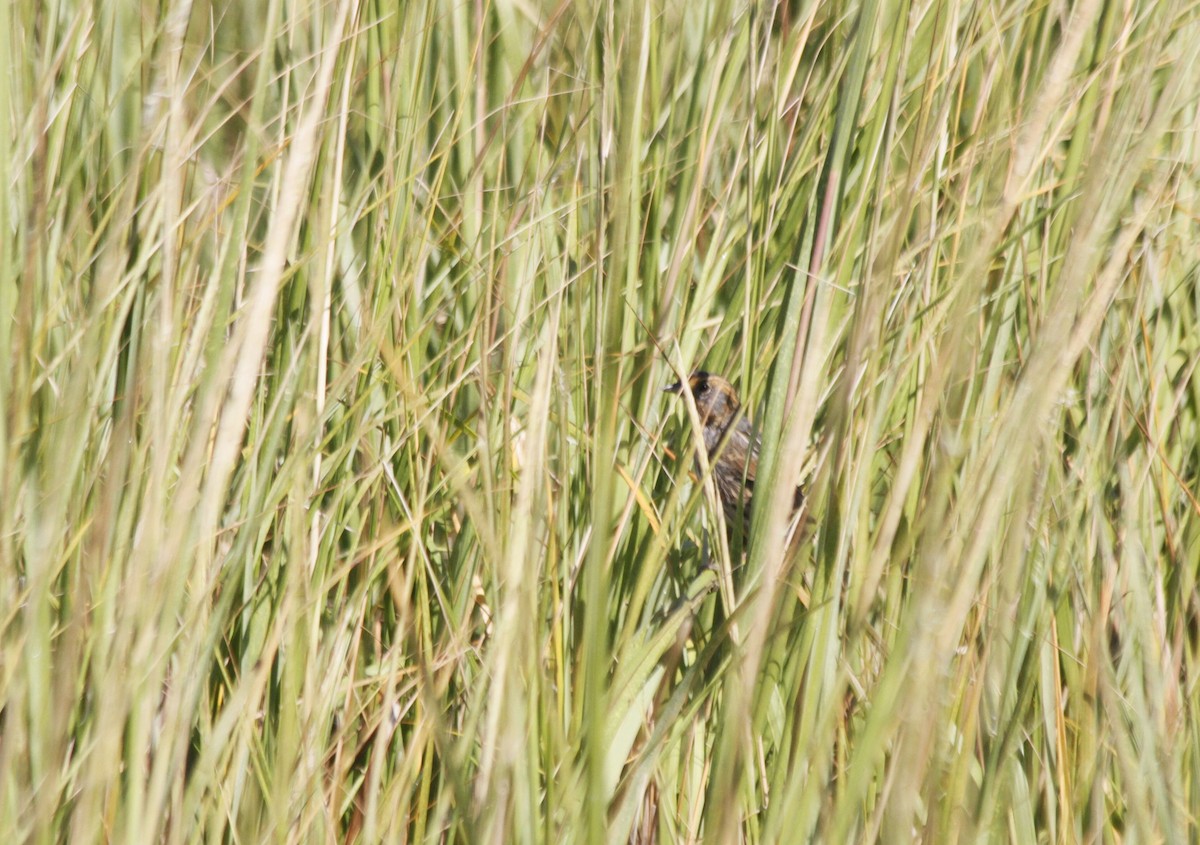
x=701 y=388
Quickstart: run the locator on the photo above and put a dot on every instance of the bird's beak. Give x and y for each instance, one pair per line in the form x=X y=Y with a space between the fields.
x=674 y=388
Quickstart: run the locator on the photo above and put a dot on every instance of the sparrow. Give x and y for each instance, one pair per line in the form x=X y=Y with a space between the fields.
x=732 y=444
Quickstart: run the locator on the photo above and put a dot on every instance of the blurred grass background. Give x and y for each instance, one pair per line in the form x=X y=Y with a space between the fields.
x=335 y=499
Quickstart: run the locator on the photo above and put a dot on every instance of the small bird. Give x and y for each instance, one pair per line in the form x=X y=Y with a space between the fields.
x=732 y=445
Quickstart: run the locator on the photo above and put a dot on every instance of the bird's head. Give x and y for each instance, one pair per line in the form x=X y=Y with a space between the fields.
x=716 y=400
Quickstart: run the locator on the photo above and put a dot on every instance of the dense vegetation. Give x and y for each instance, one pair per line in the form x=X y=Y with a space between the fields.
x=339 y=500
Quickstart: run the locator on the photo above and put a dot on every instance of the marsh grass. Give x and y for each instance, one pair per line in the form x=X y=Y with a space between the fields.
x=337 y=500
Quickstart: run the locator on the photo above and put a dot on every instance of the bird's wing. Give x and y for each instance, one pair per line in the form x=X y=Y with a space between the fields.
x=746 y=428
